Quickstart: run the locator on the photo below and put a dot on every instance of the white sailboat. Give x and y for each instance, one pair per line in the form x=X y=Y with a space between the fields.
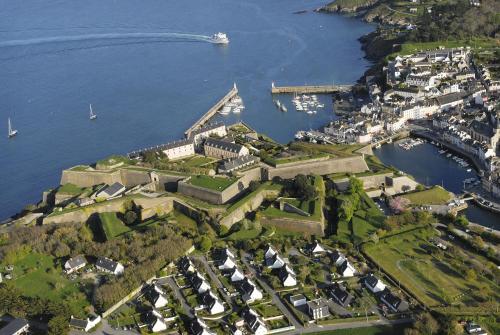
x=12 y=132
x=92 y=115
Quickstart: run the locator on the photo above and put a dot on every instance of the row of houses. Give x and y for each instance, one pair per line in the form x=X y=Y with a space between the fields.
x=285 y=273
x=102 y=264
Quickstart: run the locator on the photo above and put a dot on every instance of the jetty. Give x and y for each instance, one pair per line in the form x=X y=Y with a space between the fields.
x=212 y=111
x=310 y=89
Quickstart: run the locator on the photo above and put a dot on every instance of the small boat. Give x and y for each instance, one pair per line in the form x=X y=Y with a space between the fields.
x=219 y=38
x=92 y=115
x=225 y=110
x=378 y=146
x=237 y=110
x=283 y=108
x=277 y=103
x=309 y=112
x=12 y=132
x=469 y=170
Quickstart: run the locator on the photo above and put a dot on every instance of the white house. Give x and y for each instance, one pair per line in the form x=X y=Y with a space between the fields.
x=318 y=309
x=212 y=303
x=15 y=327
x=225 y=259
x=178 y=149
x=198 y=282
x=337 y=258
x=250 y=292
x=346 y=269
x=374 y=284
x=109 y=266
x=287 y=277
x=198 y=327
x=156 y=296
x=156 y=321
x=275 y=262
x=298 y=300
x=74 y=264
x=253 y=321
x=85 y=325
x=236 y=275
x=269 y=252
x=217 y=129
x=317 y=249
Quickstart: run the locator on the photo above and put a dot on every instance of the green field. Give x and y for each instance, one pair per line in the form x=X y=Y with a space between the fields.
x=435 y=281
x=198 y=161
x=112 y=226
x=70 y=189
x=378 y=330
x=475 y=43
x=251 y=195
x=38 y=275
x=434 y=196
x=212 y=183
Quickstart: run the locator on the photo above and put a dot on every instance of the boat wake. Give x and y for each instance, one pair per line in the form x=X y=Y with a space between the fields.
x=108 y=36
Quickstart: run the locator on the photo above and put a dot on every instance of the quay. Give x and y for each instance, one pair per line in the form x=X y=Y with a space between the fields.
x=212 y=111
x=316 y=89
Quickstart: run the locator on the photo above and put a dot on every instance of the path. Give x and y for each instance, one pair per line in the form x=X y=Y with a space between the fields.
x=274 y=296
x=179 y=296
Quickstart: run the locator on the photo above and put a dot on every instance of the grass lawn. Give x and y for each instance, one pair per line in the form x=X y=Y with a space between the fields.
x=198 y=161
x=267 y=310
x=434 y=196
x=112 y=225
x=378 y=330
x=434 y=280
x=38 y=275
x=312 y=207
x=339 y=150
x=244 y=234
x=212 y=183
x=251 y=195
x=70 y=189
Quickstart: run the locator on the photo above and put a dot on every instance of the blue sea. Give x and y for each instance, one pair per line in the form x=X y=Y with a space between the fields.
x=149 y=72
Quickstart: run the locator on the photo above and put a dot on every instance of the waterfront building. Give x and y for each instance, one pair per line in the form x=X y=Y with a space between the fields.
x=217 y=129
x=223 y=149
x=178 y=149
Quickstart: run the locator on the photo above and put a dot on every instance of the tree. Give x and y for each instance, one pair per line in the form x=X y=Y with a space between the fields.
x=254 y=185
x=470 y=275
x=205 y=244
x=426 y=324
x=462 y=221
x=309 y=193
x=398 y=204
x=130 y=217
x=420 y=188
x=355 y=186
x=58 y=325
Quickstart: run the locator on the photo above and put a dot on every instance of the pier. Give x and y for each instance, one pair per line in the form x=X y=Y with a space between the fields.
x=310 y=89
x=211 y=112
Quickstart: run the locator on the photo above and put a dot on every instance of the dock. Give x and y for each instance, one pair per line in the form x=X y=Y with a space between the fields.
x=212 y=111
x=310 y=89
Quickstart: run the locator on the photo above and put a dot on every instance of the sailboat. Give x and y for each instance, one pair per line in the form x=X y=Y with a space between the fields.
x=12 y=132
x=92 y=115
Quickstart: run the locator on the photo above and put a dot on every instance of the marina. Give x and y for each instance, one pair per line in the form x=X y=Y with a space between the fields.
x=310 y=89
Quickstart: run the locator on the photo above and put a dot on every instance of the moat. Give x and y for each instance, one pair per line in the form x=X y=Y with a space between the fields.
x=430 y=168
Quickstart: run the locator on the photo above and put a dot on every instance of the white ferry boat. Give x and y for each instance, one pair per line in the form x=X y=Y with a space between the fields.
x=220 y=38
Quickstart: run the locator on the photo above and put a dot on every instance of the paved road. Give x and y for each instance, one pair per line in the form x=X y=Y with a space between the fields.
x=214 y=279
x=357 y=324
x=178 y=295
x=275 y=298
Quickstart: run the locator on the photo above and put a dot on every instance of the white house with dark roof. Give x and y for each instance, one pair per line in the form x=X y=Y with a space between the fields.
x=110 y=191
x=337 y=258
x=395 y=303
x=287 y=276
x=156 y=322
x=374 y=284
x=178 y=149
x=198 y=327
x=156 y=296
x=198 y=282
x=316 y=248
x=346 y=269
x=233 y=164
x=218 y=129
x=269 y=252
x=340 y=295
x=74 y=264
x=211 y=303
x=298 y=300
x=225 y=259
x=16 y=326
x=109 y=266
x=249 y=291
x=275 y=262
x=185 y=265
x=236 y=275
x=85 y=325
x=253 y=321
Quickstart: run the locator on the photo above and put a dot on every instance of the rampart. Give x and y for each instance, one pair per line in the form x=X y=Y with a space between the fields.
x=87 y=178
x=308 y=227
x=320 y=167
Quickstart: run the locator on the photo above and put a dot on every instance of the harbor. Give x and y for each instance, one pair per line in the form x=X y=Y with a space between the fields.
x=213 y=110
x=310 y=89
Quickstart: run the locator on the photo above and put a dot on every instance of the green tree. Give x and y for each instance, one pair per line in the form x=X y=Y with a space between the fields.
x=462 y=221
x=130 y=217
x=58 y=325
x=205 y=244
